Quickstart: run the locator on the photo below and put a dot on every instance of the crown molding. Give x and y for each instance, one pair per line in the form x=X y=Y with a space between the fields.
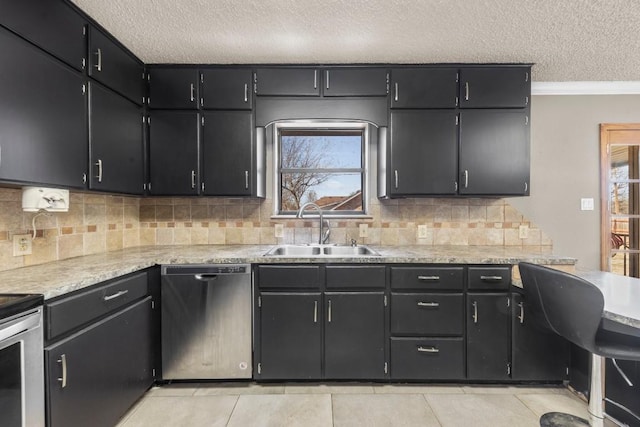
x=586 y=88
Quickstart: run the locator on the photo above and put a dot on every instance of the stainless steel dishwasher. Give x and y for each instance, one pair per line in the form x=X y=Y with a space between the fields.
x=206 y=321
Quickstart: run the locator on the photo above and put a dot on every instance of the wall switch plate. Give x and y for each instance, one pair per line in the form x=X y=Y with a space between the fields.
x=422 y=231
x=586 y=204
x=22 y=244
x=364 y=230
x=523 y=231
x=278 y=230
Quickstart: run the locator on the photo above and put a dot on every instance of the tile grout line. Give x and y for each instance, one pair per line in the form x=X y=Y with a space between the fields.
x=232 y=410
x=526 y=406
x=424 y=396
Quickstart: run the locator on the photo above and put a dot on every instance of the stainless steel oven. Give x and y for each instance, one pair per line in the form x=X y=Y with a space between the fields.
x=21 y=369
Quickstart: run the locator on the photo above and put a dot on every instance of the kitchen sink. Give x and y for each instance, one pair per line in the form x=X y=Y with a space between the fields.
x=321 y=251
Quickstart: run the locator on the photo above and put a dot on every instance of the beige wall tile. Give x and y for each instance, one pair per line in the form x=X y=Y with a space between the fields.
x=267 y=236
x=199 y=236
x=7 y=260
x=114 y=240
x=250 y=236
x=131 y=237
x=70 y=246
x=95 y=214
x=94 y=243
x=217 y=236
x=495 y=213
x=43 y=250
x=182 y=236
x=389 y=236
x=450 y=236
x=148 y=236
x=165 y=236
x=478 y=213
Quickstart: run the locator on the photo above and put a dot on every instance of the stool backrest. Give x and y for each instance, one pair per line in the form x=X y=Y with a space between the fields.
x=571 y=306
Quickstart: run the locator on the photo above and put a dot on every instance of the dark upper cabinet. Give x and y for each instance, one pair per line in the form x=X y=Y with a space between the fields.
x=494 y=87
x=115 y=142
x=288 y=81
x=424 y=87
x=423 y=152
x=42 y=117
x=494 y=152
x=174 y=88
x=355 y=82
x=227 y=89
x=173 y=153
x=114 y=67
x=51 y=24
x=227 y=153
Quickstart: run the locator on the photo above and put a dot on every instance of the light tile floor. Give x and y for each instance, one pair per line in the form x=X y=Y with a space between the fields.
x=339 y=404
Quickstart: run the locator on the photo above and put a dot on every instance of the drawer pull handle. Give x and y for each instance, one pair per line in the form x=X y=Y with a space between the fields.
x=428 y=350
x=491 y=278
x=521 y=316
x=63 y=379
x=329 y=312
x=475 y=311
x=116 y=295
x=428 y=304
x=428 y=277
x=315 y=312
x=206 y=277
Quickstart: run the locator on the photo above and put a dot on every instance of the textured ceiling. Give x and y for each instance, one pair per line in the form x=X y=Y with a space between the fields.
x=568 y=40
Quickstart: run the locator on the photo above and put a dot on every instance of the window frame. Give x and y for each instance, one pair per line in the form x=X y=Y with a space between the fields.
x=322 y=126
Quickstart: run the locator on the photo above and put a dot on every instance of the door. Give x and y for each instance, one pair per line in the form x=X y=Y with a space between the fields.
x=227 y=89
x=288 y=81
x=116 y=68
x=173 y=153
x=355 y=82
x=488 y=316
x=424 y=152
x=290 y=336
x=537 y=354
x=492 y=87
x=115 y=142
x=494 y=152
x=424 y=87
x=227 y=152
x=354 y=335
x=174 y=88
x=95 y=375
x=40 y=143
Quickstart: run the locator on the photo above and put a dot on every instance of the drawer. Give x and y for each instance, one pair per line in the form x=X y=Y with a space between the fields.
x=291 y=276
x=68 y=313
x=355 y=276
x=427 y=314
x=490 y=277
x=427 y=358
x=427 y=278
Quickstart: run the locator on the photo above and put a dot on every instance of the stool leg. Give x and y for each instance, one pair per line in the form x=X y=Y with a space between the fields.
x=596 y=391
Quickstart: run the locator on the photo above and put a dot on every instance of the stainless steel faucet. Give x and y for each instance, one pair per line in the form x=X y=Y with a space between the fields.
x=323 y=236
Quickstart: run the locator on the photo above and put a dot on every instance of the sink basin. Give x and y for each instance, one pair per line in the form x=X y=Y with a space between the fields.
x=321 y=251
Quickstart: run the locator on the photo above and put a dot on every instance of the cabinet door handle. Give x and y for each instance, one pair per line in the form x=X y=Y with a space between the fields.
x=428 y=350
x=315 y=79
x=63 y=362
x=329 y=312
x=428 y=304
x=466 y=178
x=521 y=316
x=475 y=311
x=315 y=312
x=327 y=79
x=246 y=92
x=428 y=278
x=466 y=91
x=99 y=165
x=99 y=61
x=395 y=173
x=116 y=295
x=193 y=179
x=395 y=90
x=491 y=278
x=246 y=180
x=193 y=92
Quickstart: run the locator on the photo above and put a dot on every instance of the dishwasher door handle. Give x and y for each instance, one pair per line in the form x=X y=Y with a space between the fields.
x=204 y=277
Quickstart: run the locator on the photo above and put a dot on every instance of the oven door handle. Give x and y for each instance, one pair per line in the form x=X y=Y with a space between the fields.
x=19 y=326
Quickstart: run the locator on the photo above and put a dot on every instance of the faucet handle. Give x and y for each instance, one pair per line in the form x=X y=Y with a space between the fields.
x=354 y=242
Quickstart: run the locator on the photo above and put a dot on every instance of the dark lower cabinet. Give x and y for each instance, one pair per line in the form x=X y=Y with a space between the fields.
x=354 y=340
x=95 y=375
x=427 y=358
x=290 y=336
x=488 y=317
x=622 y=401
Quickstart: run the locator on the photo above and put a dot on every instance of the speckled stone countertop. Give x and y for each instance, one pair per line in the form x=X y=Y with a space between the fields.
x=60 y=277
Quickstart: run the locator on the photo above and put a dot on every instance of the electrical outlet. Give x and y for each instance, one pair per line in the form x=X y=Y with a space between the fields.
x=364 y=230
x=422 y=231
x=22 y=244
x=523 y=231
x=586 y=204
x=278 y=230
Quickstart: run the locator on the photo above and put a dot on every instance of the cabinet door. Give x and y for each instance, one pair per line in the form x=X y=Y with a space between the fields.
x=537 y=354
x=42 y=117
x=288 y=81
x=116 y=68
x=52 y=25
x=227 y=89
x=173 y=153
x=115 y=142
x=488 y=336
x=424 y=152
x=490 y=87
x=95 y=375
x=290 y=336
x=354 y=335
x=355 y=82
x=227 y=152
x=619 y=392
x=173 y=88
x=424 y=88
x=494 y=152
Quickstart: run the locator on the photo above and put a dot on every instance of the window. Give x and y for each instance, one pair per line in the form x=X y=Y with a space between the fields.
x=326 y=166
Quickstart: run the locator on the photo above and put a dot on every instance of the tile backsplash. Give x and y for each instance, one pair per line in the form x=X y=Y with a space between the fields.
x=97 y=223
